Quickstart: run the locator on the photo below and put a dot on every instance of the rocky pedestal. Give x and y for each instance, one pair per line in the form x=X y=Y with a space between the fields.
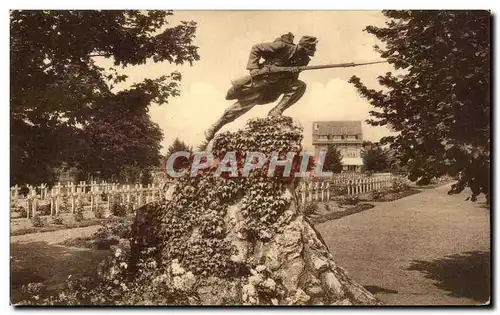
x=234 y=240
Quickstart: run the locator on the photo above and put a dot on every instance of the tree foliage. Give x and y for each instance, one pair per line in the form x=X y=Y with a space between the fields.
x=63 y=104
x=439 y=102
x=179 y=146
x=333 y=160
x=121 y=134
x=375 y=158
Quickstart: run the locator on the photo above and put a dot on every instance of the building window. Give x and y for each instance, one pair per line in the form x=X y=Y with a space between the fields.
x=352 y=152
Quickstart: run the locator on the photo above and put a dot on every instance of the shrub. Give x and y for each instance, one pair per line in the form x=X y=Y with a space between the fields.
x=44 y=209
x=57 y=220
x=33 y=291
x=110 y=234
x=399 y=185
x=37 y=221
x=78 y=214
x=99 y=211
x=19 y=209
x=348 y=200
x=377 y=195
x=340 y=190
x=23 y=212
x=352 y=200
x=444 y=179
x=133 y=199
x=64 y=206
x=130 y=207
x=310 y=209
x=104 y=241
x=119 y=209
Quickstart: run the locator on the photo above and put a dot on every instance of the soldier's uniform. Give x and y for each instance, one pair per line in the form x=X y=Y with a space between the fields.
x=283 y=53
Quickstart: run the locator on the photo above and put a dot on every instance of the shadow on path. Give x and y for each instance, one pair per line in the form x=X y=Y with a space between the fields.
x=374 y=289
x=462 y=275
x=484 y=205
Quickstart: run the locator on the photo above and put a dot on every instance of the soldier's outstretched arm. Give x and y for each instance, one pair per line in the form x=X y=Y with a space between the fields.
x=260 y=50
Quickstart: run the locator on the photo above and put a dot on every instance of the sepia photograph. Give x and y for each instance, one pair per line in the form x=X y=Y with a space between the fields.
x=332 y=158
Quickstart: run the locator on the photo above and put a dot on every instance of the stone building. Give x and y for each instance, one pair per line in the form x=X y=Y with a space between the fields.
x=347 y=136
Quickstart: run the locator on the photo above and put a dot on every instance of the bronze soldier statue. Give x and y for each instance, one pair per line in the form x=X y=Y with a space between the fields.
x=264 y=85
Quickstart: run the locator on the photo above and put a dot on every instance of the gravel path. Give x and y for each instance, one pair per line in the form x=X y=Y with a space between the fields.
x=428 y=248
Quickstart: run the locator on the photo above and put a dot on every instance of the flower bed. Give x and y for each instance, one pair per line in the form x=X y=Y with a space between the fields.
x=334 y=215
x=386 y=196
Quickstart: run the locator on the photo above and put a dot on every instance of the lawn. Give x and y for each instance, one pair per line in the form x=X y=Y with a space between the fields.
x=50 y=264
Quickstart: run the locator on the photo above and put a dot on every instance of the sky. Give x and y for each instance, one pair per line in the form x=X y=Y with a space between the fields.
x=224 y=39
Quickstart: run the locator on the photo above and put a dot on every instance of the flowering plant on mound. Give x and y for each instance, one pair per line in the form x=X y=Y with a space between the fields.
x=192 y=224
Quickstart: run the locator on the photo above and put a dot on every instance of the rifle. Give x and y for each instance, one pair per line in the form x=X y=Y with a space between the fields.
x=240 y=82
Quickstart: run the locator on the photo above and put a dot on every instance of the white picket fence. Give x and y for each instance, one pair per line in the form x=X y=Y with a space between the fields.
x=343 y=184
x=90 y=194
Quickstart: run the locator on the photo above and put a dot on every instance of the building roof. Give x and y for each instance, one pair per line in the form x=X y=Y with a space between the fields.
x=337 y=127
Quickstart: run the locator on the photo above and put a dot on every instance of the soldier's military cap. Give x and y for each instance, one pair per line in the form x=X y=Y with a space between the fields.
x=308 y=40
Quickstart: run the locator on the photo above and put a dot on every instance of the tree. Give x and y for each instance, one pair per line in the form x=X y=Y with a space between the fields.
x=375 y=158
x=179 y=146
x=121 y=135
x=439 y=101
x=333 y=160
x=395 y=164
x=57 y=87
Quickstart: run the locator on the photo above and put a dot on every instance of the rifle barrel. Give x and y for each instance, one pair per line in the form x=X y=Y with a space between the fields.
x=341 y=65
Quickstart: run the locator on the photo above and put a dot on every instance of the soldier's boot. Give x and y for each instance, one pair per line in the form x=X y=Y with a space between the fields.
x=210 y=132
x=232 y=93
x=230 y=114
x=294 y=92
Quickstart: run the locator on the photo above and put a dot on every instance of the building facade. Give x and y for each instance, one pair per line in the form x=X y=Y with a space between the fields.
x=346 y=136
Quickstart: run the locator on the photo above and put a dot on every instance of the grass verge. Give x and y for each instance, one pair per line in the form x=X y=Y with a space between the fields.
x=335 y=215
x=66 y=226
